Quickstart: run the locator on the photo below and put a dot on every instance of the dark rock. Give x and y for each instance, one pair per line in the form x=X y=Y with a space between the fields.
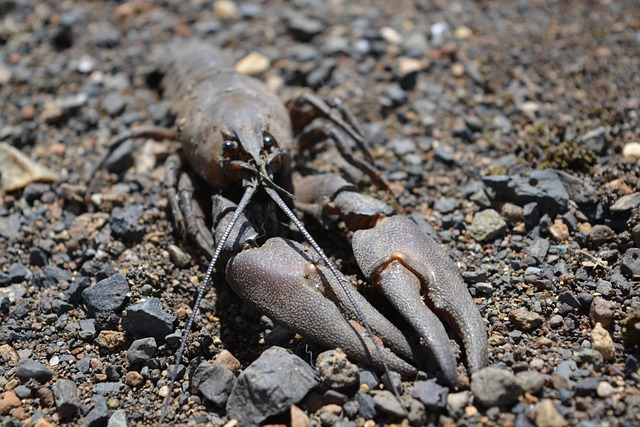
x=543 y=187
x=367 y=407
x=495 y=387
x=433 y=395
x=269 y=386
x=148 y=319
x=214 y=382
x=334 y=397
x=475 y=276
x=53 y=275
x=601 y=234
x=19 y=273
x=77 y=288
x=531 y=215
x=369 y=379
x=538 y=249
x=32 y=369
x=105 y=299
x=121 y=158
x=386 y=402
x=591 y=357
x=67 y=403
x=22 y=391
x=34 y=191
x=141 y=350
x=596 y=140
x=321 y=74
x=99 y=415
x=630 y=264
x=125 y=226
x=587 y=386
x=37 y=257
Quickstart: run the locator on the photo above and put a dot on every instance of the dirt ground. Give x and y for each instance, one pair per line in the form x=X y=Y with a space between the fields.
x=463 y=103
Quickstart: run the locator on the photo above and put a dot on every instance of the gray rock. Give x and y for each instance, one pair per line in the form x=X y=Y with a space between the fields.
x=596 y=140
x=446 y=205
x=214 y=382
x=626 y=203
x=402 y=146
x=53 y=275
x=105 y=299
x=125 y=225
x=32 y=369
x=99 y=415
x=108 y=388
x=303 y=28
x=269 y=386
x=65 y=393
x=495 y=387
x=587 y=386
x=531 y=381
x=386 y=402
x=19 y=273
x=538 y=249
x=541 y=186
x=141 y=350
x=487 y=225
x=433 y=395
x=114 y=104
x=366 y=405
x=630 y=265
x=148 y=319
x=118 y=419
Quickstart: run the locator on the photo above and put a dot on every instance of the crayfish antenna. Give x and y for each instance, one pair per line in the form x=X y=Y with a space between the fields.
x=250 y=188
x=336 y=273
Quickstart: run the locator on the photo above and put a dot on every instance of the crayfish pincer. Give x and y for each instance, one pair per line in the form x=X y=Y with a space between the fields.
x=239 y=137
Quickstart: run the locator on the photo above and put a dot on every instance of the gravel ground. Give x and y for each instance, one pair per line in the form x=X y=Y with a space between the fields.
x=508 y=129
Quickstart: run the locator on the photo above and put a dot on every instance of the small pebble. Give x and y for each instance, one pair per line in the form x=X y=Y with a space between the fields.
x=148 y=319
x=141 y=350
x=214 y=382
x=253 y=64
x=487 y=226
x=525 y=320
x=602 y=342
x=495 y=387
x=601 y=312
x=134 y=379
x=548 y=416
x=386 y=402
x=228 y=360
x=605 y=389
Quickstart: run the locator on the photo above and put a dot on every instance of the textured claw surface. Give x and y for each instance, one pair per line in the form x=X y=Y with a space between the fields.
x=281 y=280
x=397 y=253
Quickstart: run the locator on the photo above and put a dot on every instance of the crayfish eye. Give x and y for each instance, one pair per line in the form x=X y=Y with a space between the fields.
x=268 y=141
x=229 y=145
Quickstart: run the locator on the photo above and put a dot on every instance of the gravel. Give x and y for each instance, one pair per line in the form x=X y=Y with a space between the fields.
x=470 y=107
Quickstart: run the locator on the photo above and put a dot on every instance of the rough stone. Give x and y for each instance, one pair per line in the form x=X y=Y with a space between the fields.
x=214 y=382
x=525 y=320
x=495 y=387
x=141 y=350
x=269 y=386
x=148 y=319
x=487 y=226
x=65 y=392
x=32 y=369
